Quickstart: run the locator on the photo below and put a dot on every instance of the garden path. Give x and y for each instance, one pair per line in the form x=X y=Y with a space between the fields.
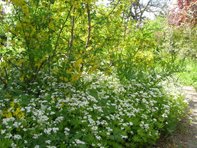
x=191 y=138
x=185 y=135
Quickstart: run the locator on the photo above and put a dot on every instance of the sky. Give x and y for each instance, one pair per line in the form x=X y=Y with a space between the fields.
x=104 y=2
x=147 y=14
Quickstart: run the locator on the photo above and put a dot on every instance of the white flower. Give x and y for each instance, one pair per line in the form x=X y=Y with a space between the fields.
x=43 y=118
x=55 y=129
x=13 y=145
x=146 y=126
x=98 y=137
x=6 y=120
x=52 y=113
x=36 y=136
x=8 y=135
x=16 y=124
x=17 y=137
x=3 y=132
x=48 y=141
x=24 y=129
x=98 y=144
x=66 y=131
x=77 y=141
x=109 y=129
x=47 y=131
x=164 y=115
x=59 y=119
x=37 y=146
x=94 y=128
x=124 y=137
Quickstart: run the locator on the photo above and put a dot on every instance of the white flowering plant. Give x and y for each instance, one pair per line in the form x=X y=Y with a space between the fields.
x=98 y=112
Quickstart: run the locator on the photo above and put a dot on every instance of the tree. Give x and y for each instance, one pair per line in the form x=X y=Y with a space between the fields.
x=65 y=38
x=184 y=12
x=140 y=10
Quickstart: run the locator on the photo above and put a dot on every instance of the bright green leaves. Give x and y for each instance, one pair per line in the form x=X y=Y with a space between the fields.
x=81 y=35
x=144 y=59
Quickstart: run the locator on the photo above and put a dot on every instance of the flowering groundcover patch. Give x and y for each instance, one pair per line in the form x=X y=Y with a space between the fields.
x=99 y=112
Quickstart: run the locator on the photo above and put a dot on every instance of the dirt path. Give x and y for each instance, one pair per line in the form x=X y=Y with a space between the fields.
x=191 y=139
x=186 y=134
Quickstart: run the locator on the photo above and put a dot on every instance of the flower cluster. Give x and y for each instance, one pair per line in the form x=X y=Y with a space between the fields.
x=100 y=113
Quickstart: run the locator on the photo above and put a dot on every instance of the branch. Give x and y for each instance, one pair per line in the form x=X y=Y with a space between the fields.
x=72 y=31
x=4 y=82
x=145 y=8
x=89 y=25
x=113 y=8
x=62 y=28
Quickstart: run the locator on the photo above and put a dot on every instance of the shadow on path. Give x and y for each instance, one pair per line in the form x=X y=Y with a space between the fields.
x=185 y=135
x=191 y=95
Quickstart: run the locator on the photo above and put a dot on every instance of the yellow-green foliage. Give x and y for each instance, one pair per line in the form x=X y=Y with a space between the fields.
x=14 y=110
x=144 y=58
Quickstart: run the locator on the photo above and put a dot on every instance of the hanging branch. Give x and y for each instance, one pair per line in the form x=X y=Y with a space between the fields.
x=5 y=81
x=61 y=29
x=89 y=25
x=72 y=31
x=57 y=41
x=113 y=8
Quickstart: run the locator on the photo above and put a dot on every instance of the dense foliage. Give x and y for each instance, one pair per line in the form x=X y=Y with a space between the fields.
x=79 y=74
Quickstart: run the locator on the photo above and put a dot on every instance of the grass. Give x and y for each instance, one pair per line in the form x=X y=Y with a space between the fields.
x=189 y=75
